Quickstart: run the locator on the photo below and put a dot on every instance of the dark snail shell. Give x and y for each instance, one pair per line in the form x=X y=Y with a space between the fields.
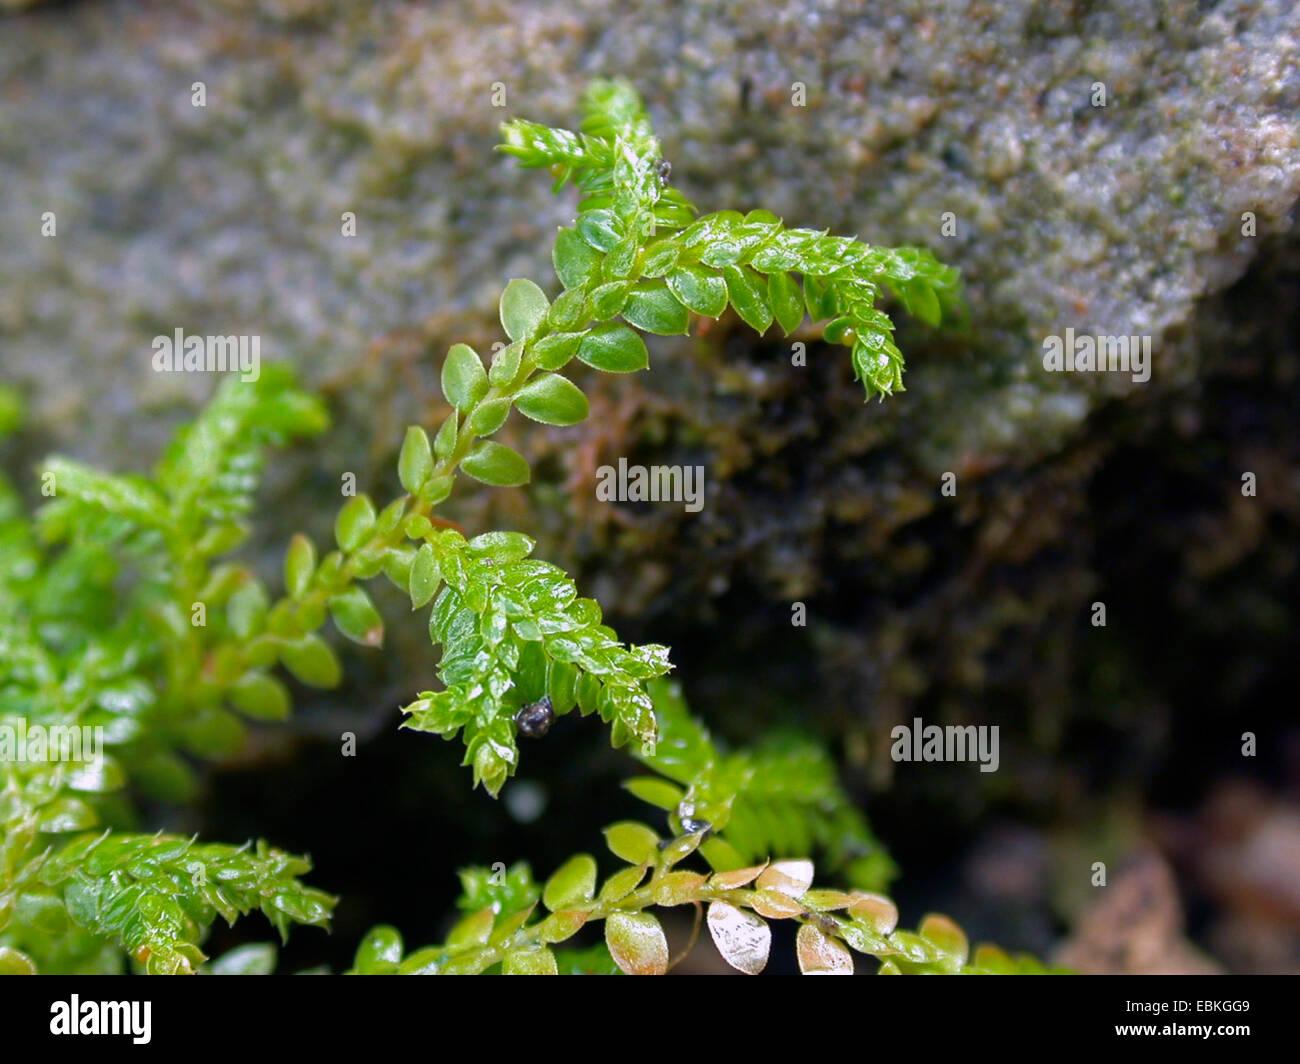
x=536 y=718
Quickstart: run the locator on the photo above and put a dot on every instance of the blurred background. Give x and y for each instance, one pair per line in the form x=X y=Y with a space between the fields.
x=1169 y=212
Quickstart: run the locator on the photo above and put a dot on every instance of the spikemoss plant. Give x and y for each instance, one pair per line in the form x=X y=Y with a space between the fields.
x=121 y=609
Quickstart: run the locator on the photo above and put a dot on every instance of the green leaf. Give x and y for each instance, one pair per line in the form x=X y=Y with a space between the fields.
x=425 y=577
x=657 y=792
x=496 y=464
x=922 y=303
x=66 y=814
x=622 y=883
x=436 y=489
x=464 y=381
x=636 y=942
x=488 y=416
x=260 y=697
x=15 y=962
x=445 y=441
x=838 y=330
x=502 y=548
x=747 y=294
x=312 y=661
x=357 y=617
x=552 y=400
x=703 y=291
x=530 y=961
x=129 y=497
x=554 y=351
x=660 y=258
x=255 y=958
x=505 y=364
x=246 y=610
x=299 y=565
x=607 y=300
x=614 y=348
x=600 y=229
x=380 y=951
x=575 y=260
x=155 y=896
x=633 y=842
x=415 y=463
x=572 y=886
x=819 y=297
x=619 y=262
x=354 y=523
x=653 y=309
x=567 y=310
x=523 y=308
x=786 y=300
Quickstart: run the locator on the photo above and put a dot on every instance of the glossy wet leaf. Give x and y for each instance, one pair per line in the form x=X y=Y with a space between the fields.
x=654 y=309
x=600 y=229
x=614 y=348
x=700 y=289
x=552 y=400
x=786 y=300
x=678 y=849
x=380 y=950
x=575 y=260
x=748 y=294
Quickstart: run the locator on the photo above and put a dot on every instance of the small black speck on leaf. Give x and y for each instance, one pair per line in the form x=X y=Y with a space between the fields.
x=536 y=718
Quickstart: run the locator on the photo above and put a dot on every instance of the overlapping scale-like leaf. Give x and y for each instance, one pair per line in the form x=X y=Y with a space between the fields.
x=514 y=632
